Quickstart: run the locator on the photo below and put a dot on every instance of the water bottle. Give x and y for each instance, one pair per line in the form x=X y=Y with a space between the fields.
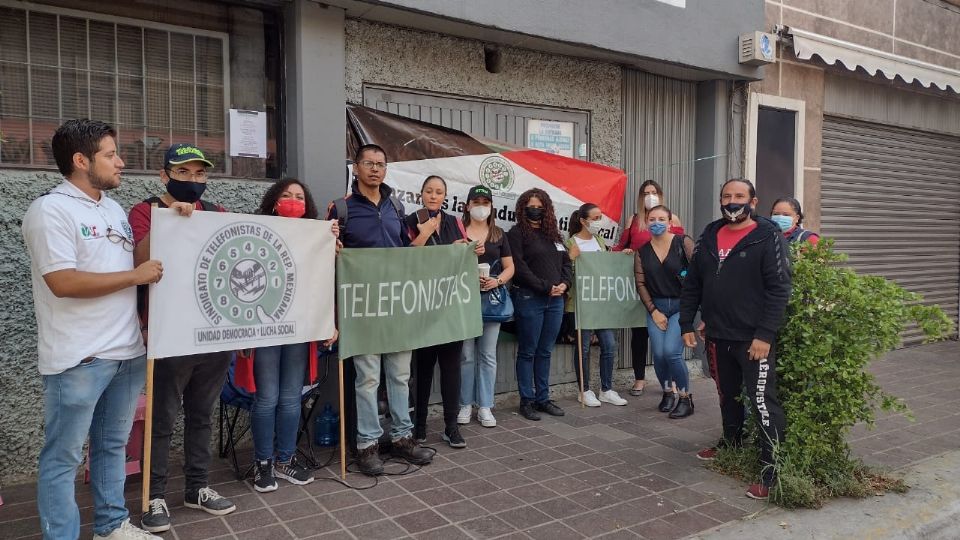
x=327 y=427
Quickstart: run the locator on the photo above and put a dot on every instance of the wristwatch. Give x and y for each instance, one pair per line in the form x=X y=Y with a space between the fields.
x=499 y=282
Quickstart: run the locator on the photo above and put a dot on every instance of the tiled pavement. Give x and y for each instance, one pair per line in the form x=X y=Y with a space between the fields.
x=611 y=472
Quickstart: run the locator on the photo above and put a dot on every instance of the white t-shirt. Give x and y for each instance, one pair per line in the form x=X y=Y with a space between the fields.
x=587 y=245
x=67 y=229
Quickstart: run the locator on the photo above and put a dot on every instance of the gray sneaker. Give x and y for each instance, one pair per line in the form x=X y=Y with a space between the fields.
x=157 y=518
x=293 y=472
x=127 y=531
x=209 y=501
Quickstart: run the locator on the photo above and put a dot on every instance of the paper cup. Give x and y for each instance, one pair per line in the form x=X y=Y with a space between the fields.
x=484 y=269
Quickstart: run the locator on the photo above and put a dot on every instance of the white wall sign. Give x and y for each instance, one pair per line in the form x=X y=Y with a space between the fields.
x=550 y=136
x=248 y=134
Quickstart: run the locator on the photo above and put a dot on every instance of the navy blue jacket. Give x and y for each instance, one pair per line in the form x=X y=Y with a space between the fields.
x=370 y=225
x=744 y=297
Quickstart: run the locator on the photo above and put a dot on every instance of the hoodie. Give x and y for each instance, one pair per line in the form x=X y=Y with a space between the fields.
x=744 y=297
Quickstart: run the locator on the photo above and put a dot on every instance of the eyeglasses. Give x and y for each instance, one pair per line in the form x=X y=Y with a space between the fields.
x=373 y=165
x=118 y=238
x=184 y=173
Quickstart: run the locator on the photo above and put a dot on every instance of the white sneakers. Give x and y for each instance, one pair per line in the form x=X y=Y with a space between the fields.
x=609 y=396
x=127 y=531
x=485 y=416
x=589 y=399
x=612 y=397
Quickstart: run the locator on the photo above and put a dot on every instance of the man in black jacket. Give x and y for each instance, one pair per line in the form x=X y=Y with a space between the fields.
x=739 y=278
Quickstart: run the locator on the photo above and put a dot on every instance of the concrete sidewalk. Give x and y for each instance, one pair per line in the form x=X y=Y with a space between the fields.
x=930 y=510
x=610 y=472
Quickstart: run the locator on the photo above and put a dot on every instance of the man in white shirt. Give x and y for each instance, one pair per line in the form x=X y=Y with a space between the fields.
x=90 y=350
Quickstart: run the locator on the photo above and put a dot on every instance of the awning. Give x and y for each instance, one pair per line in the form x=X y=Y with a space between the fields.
x=831 y=50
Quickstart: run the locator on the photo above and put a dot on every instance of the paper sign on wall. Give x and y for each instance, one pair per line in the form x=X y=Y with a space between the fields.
x=248 y=134
x=550 y=136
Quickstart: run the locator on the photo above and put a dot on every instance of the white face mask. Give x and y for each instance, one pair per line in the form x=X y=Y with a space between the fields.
x=650 y=201
x=480 y=213
x=593 y=227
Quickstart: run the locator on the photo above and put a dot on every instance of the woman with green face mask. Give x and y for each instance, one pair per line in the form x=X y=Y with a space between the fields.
x=787 y=214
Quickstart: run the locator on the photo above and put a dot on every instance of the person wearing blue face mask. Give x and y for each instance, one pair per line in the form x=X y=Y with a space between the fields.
x=660 y=267
x=787 y=214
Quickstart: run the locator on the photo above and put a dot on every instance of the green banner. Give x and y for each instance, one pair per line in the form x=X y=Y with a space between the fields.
x=606 y=292
x=400 y=299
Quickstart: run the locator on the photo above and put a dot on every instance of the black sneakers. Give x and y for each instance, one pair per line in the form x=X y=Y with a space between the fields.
x=409 y=450
x=369 y=460
x=209 y=501
x=527 y=411
x=157 y=518
x=453 y=438
x=549 y=407
x=293 y=472
x=263 y=480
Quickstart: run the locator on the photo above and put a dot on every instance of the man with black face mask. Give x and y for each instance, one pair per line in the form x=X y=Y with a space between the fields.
x=194 y=380
x=739 y=278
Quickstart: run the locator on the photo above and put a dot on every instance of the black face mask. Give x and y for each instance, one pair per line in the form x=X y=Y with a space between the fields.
x=533 y=213
x=735 y=212
x=182 y=191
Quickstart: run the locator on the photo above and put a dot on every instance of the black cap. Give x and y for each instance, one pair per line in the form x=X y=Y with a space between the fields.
x=477 y=192
x=181 y=153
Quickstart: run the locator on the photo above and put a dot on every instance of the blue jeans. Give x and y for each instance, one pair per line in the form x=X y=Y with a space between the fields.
x=667 y=346
x=478 y=367
x=98 y=398
x=397 y=370
x=608 y=352
x=538 y=318
x=275 y=417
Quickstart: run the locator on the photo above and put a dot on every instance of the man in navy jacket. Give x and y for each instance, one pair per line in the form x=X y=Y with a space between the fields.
x=371 y=216
x=739 y=279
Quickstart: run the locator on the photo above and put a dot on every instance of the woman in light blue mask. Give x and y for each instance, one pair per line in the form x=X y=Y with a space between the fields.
x=660 y=268
x=787 y=214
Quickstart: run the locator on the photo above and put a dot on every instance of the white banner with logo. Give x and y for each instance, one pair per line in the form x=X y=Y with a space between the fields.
x=507 y=179
x=238 y=281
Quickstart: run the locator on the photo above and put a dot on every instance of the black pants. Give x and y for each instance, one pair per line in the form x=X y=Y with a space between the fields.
x=448 y=356
x=195 y=381
x=639 y=341
x=732 y=369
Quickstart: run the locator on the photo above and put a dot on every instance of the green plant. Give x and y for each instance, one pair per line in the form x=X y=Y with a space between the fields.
x=837 y=322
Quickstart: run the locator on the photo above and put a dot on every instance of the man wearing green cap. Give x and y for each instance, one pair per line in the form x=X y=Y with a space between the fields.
x=194 y=380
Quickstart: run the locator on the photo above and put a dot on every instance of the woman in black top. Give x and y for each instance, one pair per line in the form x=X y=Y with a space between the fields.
x=543 y=275
x=433 y=228
x=660 y=267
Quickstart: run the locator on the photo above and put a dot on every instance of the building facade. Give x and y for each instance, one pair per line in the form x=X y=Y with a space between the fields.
x=860 y=120
x=653 y=87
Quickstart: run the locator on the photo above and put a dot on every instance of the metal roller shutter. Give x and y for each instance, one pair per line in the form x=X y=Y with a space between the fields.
x=891 y=199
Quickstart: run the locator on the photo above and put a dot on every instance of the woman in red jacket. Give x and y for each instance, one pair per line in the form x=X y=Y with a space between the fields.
x=635 y=236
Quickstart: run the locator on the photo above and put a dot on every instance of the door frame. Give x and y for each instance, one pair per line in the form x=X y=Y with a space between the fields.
x=754 y=102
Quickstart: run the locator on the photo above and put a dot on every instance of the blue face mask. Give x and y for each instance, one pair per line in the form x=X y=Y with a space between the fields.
x=785 y=222
x=657 y=228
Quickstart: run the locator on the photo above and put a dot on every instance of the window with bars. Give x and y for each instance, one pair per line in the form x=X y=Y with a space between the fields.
x=156 y=86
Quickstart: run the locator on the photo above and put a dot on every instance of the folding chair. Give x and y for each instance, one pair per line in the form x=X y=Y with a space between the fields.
x=234 y=419
x=236 y=404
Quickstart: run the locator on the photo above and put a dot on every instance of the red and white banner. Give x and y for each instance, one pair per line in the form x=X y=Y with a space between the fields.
x=569 y=182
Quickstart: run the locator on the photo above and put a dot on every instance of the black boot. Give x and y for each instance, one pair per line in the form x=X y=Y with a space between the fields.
x=668 y=402
x=684 y=407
